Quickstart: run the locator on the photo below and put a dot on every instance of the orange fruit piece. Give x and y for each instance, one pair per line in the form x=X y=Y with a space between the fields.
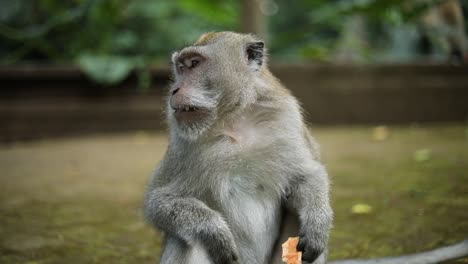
x=290 y=253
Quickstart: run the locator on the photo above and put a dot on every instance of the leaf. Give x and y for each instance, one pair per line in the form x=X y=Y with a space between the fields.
x=361 y=209
x=107 y=69
x=422 y=155
x=380 y=133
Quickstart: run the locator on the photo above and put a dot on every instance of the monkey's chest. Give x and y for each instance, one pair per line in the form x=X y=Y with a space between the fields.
x=252 y=210
x=246 y=187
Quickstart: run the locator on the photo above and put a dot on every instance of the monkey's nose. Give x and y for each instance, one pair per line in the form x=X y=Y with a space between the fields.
x=175 y=91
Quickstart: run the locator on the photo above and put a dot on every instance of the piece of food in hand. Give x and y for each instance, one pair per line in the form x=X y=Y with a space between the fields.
x=290 y=253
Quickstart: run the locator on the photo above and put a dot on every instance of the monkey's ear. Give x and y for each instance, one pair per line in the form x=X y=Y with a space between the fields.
x=174 y=57
x=255 y=52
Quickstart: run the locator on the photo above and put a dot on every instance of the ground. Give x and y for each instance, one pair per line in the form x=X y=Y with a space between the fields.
x=78 y=200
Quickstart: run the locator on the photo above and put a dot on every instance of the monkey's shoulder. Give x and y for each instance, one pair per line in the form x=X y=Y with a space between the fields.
x=253 y=160
x=265 y=123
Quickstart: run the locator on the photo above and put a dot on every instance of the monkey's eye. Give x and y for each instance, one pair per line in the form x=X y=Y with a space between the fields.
x=181 y=67
x=194 y=63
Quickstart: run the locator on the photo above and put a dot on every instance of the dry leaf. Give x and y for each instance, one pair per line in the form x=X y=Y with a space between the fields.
x=380 y=133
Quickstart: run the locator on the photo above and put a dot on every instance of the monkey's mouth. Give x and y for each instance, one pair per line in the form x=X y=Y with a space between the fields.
x=189 y=113
x=185 y=108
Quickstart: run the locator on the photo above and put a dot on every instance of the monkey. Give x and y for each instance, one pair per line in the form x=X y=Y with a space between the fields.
x=445 y=23
x=241 y=172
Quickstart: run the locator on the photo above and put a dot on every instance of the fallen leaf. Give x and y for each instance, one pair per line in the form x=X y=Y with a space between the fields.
x=380 y=133
x=361 y=209
x=422 y=155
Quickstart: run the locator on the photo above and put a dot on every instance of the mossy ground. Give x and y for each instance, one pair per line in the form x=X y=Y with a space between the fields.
x=78 y=200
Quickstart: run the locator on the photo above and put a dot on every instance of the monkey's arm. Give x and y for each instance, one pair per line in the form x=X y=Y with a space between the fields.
x=192 y=221
x=309 y=196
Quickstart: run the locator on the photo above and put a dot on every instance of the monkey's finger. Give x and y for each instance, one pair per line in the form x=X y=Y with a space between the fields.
x=302 y=244
x=310 y=254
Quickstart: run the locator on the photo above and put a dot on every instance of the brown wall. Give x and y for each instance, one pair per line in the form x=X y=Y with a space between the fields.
x=59 y=101
x=379 y=94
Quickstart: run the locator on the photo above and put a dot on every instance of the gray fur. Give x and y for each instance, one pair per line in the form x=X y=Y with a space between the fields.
x=236 y=183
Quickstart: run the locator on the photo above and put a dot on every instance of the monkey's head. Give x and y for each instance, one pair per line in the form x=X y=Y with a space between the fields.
x=218 y=76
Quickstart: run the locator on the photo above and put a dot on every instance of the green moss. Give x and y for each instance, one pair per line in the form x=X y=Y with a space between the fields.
x=418 y=204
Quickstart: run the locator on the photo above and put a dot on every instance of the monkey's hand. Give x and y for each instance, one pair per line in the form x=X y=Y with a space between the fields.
x=220 y=245
x=311 y=245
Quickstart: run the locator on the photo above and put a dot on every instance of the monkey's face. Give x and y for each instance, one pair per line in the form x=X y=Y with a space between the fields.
x=192 y=101
x=213 y=79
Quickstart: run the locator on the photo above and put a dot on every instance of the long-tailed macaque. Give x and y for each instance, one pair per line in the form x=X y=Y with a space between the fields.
x=241 y=168
x=444 y=24
x=242 y=172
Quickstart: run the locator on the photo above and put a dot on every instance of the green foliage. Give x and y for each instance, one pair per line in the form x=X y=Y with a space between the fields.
x=107 y=38
x=313 y=29
x=317 y=52
x=106 y=69
x=221 y=13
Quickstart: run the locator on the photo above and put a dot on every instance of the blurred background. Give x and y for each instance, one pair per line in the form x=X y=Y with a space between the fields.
x=384 y=85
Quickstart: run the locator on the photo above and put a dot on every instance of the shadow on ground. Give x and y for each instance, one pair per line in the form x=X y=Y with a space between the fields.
x=78 y=200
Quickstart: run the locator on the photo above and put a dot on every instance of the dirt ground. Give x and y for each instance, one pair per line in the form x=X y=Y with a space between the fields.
x=78 y=200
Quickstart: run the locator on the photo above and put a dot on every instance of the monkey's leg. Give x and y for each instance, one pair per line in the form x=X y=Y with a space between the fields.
x=290 y=227
x=174 y=251
x=178 y=251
